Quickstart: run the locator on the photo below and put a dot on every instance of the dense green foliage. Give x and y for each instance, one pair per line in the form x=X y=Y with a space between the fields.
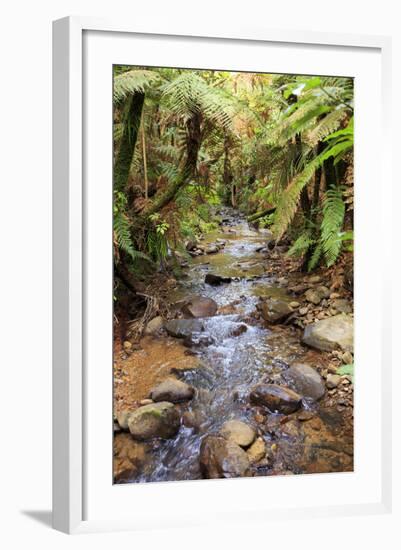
x=278 y=147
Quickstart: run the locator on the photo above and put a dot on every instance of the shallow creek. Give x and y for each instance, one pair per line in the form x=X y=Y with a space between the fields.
x=231 y=365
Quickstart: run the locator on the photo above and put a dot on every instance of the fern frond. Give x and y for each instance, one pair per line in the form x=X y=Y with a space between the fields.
x=137 y=80
x=314 y=259
x=331 y=226
x=122 y=236
x=288 y=201
x=326 y=126
x=301 y=245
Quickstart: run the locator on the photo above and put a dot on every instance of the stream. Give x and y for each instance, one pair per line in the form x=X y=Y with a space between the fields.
x=233 y=359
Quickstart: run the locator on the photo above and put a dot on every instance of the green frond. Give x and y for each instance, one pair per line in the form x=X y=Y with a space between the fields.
x=326 y=126
x=288 y=201
x=314 y=259
x=122 y=235
x=189 y=94
x=301 y=245
x=137 y=80
x=331 y=226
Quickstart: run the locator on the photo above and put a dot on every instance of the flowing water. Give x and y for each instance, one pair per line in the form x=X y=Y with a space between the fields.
x=230 y=364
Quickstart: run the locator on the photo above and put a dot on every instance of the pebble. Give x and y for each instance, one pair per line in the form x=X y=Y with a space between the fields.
x=347 y=358
x=332 y=381
x=294 y=304
x=303 y=310
x=127 y=345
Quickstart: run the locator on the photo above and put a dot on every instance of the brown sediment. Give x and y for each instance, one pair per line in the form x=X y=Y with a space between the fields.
x=136 y=374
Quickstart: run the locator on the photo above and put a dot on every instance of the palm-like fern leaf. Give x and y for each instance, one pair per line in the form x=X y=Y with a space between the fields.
x=133 y=81
x=332 y=223
x=326 y=126
x=122 y=236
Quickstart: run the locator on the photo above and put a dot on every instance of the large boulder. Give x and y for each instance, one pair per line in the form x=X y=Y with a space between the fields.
x=306 y=381
x=129 y=457
x=275 y=310
x=216 y=280
x=222 y=458
x=239 y=432
x=172 y=390
x=183 y=328
x=330 y=334
x=154 y=420
x=276 y=398
x=200 y=306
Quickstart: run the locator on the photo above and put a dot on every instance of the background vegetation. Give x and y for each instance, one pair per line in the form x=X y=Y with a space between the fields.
x=277 y=147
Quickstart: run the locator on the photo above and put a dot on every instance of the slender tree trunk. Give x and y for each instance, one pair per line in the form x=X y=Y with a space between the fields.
x=145 y=166
x=132 y=122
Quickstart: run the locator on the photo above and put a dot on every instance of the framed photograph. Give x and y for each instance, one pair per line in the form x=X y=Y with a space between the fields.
x=219 y=330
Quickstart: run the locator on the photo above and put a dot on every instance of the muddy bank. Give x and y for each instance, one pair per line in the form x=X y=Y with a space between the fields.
x=250 y=339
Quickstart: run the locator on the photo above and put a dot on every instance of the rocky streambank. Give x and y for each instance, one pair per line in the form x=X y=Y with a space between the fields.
x=249 y=373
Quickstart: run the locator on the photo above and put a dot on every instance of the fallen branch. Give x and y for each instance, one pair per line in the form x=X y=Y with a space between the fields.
x=258 y=215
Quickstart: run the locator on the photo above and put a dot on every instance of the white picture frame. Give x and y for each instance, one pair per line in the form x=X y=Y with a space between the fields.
x=70 y=471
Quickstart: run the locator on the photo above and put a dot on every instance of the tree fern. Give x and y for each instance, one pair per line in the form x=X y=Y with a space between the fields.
x=331 y=226
x=137 y=80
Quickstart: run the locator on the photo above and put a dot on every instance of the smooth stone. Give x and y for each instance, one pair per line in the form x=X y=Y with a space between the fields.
x=154 y=325
x=222 y=458
x=172 y=390
x=129 y=457
x=306 y=381
x=331 y=333
x=155 y=420
x=347 y=358
x=274 y=310
x=316 y=295
x=239 y=432
x=276 y=398
x=342 y=305
x=200 y=306
x=183 y=328
x=122 y=418
x=332 y=381
x=215 y=280
x=257 y=451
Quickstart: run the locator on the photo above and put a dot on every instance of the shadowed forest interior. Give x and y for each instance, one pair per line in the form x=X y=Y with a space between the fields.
x=233 y=274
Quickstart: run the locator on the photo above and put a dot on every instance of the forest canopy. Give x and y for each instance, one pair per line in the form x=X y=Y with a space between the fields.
x=278 y=148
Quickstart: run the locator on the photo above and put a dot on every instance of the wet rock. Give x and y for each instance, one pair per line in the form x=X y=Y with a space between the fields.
x=172 y=390
x=182 y=328
x=222 y=458
x=155 y=420
x=331 y=333
x=239 y=432
x=342 y=306
x=306 y=381
x=200 y=306
x=122 y=418
x=332 y=381
x=257 y=451
x=316 y=295
x=191 y=245
x=154 y=325
x=129 y=457
x=274 y=310
x=237 y=330
x=212 y=249
x=215 y=280
x=347 y=358
x=276 y=398
x=294 y=305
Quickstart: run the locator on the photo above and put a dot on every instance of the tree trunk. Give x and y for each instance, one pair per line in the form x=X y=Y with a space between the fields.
x=145 y=166
x=132 y=122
